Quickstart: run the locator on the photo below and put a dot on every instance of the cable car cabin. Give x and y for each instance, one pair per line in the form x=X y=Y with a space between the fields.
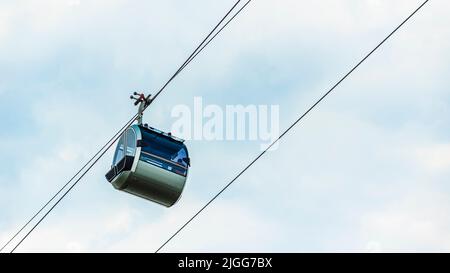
x=150 y=164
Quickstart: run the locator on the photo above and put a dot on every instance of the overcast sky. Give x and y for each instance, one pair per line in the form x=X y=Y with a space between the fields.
x=367 y=170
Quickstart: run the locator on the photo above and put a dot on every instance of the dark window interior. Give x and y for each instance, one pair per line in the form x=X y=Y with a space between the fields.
x=164 y=147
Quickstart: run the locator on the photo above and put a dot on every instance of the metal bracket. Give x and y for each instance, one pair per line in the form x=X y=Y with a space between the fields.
x=143 y=102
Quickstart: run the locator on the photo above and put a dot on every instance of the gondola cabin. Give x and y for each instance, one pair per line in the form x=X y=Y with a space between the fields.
x=150 y=164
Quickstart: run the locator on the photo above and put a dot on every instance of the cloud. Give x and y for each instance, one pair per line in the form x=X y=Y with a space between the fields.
x=125 y=229
x=214 y=230
x=417 y=222
x=435 y=158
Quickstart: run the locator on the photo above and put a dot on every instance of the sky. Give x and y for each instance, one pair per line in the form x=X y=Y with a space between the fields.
x=367 y=170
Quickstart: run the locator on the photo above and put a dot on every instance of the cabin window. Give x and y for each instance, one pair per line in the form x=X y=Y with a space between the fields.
x=164 y=147
x=131 y=142
x=119 y=154
x=180 y=157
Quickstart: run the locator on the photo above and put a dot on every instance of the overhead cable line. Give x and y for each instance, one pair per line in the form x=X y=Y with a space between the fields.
x=109 y=144
x=198 y=49
x=71 y=187
x=64 y=186
x=290 y=127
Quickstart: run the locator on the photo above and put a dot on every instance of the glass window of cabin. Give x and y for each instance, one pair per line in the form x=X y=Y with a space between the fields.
x=131 y=142
x=119 y=154
x=180 y=157
x=164 y=147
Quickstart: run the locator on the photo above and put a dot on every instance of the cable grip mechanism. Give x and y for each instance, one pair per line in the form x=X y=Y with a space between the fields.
x=143 y=102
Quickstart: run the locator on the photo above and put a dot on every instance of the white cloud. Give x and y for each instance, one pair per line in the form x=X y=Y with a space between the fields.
x=435 y=158
x=228 y=226
x=74 y=2
x=121 y=221
x=417 y=222
x=4 y=25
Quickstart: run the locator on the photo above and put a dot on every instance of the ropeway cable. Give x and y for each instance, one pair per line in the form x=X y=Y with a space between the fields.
x=289 y=128
x=109 y=144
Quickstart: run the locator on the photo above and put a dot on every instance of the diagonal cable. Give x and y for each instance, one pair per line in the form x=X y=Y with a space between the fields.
x=109 y=144
x=290 y=127
x=63 y=187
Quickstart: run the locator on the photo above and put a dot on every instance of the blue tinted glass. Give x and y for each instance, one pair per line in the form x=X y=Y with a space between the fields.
x=164 y=147
x=131 y=142
x=163 y=164
x=119 y=154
